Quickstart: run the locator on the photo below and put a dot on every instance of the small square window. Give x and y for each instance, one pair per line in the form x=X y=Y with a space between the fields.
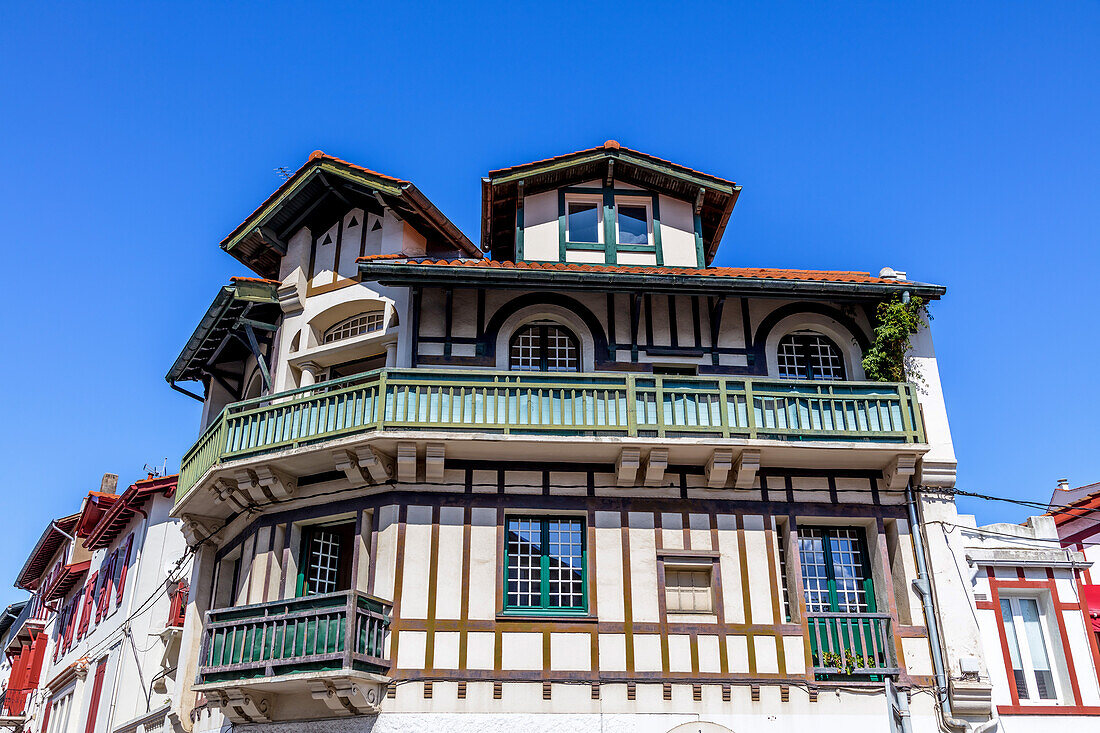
x=633 y=223
x=583 y=222
x=688 y=590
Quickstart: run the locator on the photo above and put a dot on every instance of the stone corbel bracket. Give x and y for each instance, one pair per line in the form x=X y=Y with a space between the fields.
x=197 y=529
x=626 y=468
x=240 y=706
x=936 y=474
x=655 y=464
x=264 y=484
x=718 y=468
x=363 y=465
x=406 y=462
x=746 y=468
x=435 y=455
x=900 y=470
x=345 y=697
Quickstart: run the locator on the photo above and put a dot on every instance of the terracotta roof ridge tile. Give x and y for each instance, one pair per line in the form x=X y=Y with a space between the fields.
x=239 y=279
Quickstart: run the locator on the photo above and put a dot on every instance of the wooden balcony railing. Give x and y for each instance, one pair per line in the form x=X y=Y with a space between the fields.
x=336 y=631
x=852 y=645
x=560 y=404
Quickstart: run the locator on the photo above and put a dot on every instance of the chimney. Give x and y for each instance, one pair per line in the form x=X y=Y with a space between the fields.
x=889 y=273
x=1063 y=484
x=109 y=483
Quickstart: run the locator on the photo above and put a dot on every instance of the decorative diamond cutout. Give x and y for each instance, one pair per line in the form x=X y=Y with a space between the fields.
x=328 y=239
x=377 y=226
x=354 y=222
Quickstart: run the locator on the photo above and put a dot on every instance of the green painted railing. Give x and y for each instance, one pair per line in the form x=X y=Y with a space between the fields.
x=851 y=644
x=561 y=404
x=345 y=630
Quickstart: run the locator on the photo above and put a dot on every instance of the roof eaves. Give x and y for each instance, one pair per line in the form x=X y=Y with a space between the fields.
x=50 y=539
x=252 y=290
x=393 y=271
x=120 y=513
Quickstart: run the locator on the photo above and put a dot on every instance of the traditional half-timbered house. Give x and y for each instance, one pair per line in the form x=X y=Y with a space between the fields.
x=579 y=476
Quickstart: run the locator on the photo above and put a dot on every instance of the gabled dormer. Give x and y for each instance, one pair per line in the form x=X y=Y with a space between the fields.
x=331 y=212
x=605 y=205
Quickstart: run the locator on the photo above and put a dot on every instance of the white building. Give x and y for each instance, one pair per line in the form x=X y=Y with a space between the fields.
x=109 y=587
x=586 y=481
x=1025 y=628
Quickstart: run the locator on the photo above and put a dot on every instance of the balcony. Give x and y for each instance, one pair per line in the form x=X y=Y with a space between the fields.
x=254 y=658
x=589 y=404
x=851 y=646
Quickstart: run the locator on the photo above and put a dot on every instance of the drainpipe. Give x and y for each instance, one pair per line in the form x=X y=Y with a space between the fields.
x=924 y=590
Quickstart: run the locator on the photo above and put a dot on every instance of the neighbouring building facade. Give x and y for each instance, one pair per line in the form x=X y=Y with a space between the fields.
x=95 y=647
x=574 y=476
x=1031 y=613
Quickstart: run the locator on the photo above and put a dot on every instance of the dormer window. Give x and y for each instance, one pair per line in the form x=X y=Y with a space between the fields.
x=633 y=222
x=583 y=222
x=809 y=355
x=355 y=326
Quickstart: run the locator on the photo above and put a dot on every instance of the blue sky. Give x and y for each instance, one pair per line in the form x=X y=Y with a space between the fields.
x=955 y=141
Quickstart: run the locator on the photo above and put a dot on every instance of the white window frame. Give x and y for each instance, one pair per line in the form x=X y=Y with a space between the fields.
x=60 y=723
x=332 y=330
x=585 y=198
x=640 y=201
x=1054 y=652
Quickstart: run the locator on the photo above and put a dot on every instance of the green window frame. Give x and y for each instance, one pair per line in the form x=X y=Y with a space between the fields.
x=836 y=570
x=324 y=561
x=545 y=565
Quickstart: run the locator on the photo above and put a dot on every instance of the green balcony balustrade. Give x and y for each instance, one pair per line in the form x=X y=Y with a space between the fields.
x=336 y=631
x=558 y=404
x=852 y=645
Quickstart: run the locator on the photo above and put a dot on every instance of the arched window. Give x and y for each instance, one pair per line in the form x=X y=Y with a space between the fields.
x=355 y=326
x=809 y=355
x=544 y=346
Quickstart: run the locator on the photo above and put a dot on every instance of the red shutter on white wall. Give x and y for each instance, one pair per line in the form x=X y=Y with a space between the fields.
x=124 y=556
x=86 y=607
x=103 y=596
x=97 y=692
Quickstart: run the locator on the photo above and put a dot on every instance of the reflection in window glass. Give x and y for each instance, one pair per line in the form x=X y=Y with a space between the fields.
x=633 y=225
x=1028 y=651
x=584 y=222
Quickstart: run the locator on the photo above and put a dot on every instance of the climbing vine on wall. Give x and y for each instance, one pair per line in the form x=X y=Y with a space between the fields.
x=898 y=320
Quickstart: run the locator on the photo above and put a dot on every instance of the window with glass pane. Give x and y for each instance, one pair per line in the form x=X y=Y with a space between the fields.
x=355 y=326
x=633 y=224
x=809 y=356
x=836 y=573
x=546 y=564
x=1028 y=650
x=326 y=559
x=544 y=347
x=583 y=222
x=688 y=590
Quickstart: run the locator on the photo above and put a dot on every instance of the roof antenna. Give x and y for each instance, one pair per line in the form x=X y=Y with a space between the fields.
x=283 y=172
x=157 y=471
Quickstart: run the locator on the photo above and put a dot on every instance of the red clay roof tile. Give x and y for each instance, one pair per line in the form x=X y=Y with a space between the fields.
x=756 y=273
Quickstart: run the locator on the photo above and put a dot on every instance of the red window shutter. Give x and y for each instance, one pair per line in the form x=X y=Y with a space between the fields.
x=97 y=691
x=34 y=666
x=123 y=552
x=103 y=593
x=179 y=604
x=86 y=611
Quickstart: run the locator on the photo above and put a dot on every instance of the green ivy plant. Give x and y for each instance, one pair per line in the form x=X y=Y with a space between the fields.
x=898 y=320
